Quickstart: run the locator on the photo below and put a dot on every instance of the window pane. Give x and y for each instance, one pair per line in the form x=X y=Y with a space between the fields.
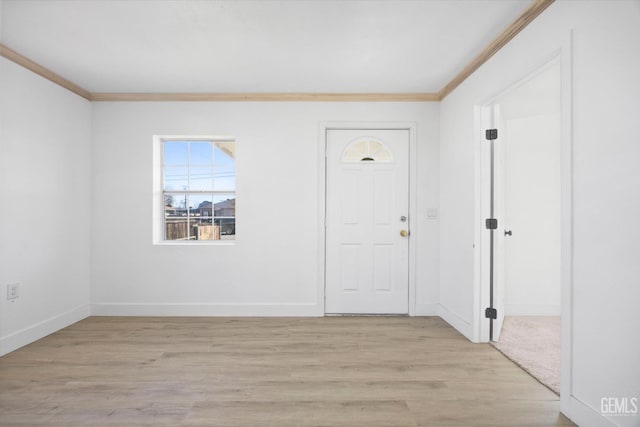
x=198 y=203
x=201 y=153
x=227 y=227
x=175 y=213
x=205 y=231
x=176 y=229
x=175 y=178
x=224 y=215
x=374 y=148
x=362 y=147
x=224 y=205
x=175 y=153
x=178 y=201
x=351 y=155
x=383 y=156
x=224 y=179
x=171 y=203
x=200 y=213
x=201 y=230
x=224 y=153
x=200 y=178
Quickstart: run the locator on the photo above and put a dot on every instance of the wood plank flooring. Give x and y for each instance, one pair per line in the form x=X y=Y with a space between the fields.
x=333 y=371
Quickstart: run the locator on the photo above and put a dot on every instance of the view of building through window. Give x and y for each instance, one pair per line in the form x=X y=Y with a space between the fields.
x=199 y=185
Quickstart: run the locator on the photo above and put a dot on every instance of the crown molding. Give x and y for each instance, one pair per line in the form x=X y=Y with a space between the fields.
x=25 y=62
x=535 y=8
x=269 y=97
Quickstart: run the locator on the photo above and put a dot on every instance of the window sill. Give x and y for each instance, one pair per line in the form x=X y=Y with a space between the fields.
x=196 y=243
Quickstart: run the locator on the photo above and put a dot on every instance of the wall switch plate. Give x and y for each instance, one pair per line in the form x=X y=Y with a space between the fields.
x=432 y=213
x=13 y=291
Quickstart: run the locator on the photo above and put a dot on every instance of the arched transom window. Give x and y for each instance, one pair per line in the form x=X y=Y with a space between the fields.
x=366 y=150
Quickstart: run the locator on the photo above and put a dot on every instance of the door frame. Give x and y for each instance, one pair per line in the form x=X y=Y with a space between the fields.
x=485 y=119
x=322 y=197
x=480 y=328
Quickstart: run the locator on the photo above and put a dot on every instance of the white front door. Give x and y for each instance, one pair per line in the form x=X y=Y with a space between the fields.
x=367 y=221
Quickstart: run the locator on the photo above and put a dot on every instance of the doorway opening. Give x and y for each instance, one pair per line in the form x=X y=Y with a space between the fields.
x=520 y=259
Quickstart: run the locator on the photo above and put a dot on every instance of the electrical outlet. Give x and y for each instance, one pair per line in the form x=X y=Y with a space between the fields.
x=13 y=291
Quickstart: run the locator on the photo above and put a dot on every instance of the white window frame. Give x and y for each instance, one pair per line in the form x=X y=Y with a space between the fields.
x=158 y=214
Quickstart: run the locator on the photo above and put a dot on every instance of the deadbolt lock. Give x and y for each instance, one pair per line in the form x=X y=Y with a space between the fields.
x=404 y=233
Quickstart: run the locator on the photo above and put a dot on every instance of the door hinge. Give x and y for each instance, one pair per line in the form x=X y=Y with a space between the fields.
x=491 y=313
x=491 y=223
x=491 y=134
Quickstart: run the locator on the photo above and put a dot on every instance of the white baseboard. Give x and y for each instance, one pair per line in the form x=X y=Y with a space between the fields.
x=531 y=310
x=456 y=321
x=213 y=310
x=41 y=329
x=584 y=415
x=426 y=310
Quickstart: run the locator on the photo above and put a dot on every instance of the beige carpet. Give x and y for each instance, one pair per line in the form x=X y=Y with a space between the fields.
x=533 y=342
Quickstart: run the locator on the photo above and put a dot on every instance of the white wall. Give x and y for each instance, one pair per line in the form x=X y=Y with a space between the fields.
x=44 y=221
x=273 y=268
x=606 y=193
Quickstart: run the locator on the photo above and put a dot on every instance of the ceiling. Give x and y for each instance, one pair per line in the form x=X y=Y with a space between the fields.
x=255 y=46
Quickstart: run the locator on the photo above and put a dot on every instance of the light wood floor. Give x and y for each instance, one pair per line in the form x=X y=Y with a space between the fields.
x=335 y=371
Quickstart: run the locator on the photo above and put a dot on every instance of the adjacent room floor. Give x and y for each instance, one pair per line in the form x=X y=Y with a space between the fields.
x=373 y=371
x=533 y=342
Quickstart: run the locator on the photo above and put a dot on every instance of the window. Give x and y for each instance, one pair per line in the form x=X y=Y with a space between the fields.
x=366 y=150
x=198 y=189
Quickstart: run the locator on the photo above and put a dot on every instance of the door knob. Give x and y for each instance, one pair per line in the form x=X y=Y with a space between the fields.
x=508 y=233
x=404 y=233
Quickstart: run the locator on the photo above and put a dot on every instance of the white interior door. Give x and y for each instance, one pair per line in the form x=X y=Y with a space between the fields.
x=532 y=216
x=367 y=216
x=527 y=199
